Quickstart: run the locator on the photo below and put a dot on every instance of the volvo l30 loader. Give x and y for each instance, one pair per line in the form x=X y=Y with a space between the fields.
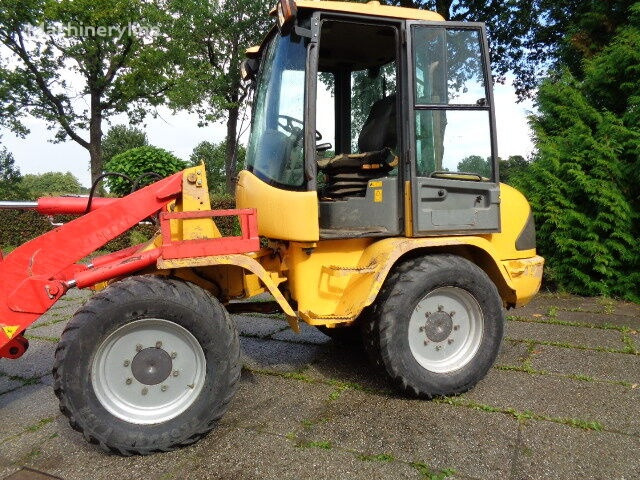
x=370 y=205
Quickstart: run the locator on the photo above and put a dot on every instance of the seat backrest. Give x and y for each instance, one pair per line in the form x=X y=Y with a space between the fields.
x=379 y=130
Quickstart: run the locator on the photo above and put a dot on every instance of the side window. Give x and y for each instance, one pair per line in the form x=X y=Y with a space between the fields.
x=452 y=121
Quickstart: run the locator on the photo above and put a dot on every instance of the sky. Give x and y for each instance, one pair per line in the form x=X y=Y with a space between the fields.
x=179 y=133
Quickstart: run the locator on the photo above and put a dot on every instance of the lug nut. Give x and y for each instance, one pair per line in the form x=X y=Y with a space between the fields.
x=456 y=327
x=440 y=308
x=426 y=342
x=427 y=314
x=158 y=344
x=128 y=382
x=144 y=391
x=163 y=388
x=126 y=363
x=176 y=373
x=453 y=312
x=438 y=347
x=450 y=341
x=174 y=354
x=138 y=347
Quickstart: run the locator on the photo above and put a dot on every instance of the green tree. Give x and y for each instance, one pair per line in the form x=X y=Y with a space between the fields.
x=10 y=177
x=214 y=35
x=52 y=184
x=213 y=155
x=140 y=161
x=475 y=164
x=578 y=189
x=527 y=37
x=511 y=166
x=121 y=138
x=120 y=64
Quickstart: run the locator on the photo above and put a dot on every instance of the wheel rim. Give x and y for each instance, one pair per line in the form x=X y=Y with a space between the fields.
x=445 y=329
x=148 y=371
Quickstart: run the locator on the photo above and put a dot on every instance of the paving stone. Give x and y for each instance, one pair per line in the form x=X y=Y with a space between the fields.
x=476 y=444
x=267 y=456
x=49 y=331
x=600 y=365
x=632 y=322
x=588 y=337
x=6 y=383
x=550 y=451
x=275 y=403
x=347 y=364
x=512 y=353
x=276 y=355
x=25 y=407
x=258 y=326
x=36 y=362
x=307 y=334
x=614 y=406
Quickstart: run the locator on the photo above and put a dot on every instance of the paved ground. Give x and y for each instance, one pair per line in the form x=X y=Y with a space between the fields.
x=562 y=402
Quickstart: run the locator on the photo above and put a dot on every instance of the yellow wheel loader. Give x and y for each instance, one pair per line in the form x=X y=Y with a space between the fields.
x=370 y=207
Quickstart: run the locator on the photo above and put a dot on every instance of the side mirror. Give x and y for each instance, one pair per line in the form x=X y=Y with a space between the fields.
x=287 y=12
x=249 y=68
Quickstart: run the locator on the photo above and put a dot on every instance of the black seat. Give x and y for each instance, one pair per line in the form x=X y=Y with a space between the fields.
x=347 y=175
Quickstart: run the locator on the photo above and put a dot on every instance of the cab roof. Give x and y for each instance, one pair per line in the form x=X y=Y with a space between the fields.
x=372 y=8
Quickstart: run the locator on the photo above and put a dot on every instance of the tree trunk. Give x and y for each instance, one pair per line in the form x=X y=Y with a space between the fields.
x=231 y=152
x=95 y=139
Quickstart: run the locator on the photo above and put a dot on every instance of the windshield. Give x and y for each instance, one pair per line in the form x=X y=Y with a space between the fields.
x=275 y=153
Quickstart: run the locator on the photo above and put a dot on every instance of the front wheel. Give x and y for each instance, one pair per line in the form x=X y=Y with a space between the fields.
x=147 y=365
x=437 y=326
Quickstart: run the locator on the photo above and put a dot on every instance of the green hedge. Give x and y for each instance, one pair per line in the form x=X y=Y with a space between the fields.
x=20 y=226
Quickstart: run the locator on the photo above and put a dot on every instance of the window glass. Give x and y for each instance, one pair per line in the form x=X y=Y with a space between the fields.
x=276 y=145
x=367 y=87
x=448 y=67
x=453 y=141
x=325 y=112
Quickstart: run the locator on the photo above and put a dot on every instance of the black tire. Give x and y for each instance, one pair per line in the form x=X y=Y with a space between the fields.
x=143 y=300
x=387 y=335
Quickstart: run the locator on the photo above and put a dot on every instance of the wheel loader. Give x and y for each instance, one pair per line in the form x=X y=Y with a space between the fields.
x=370 y=207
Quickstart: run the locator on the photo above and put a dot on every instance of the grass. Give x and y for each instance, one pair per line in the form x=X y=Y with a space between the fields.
x=568 y=323
x=381 y=457
x=429 y=473
x=37 y=426
x=521 y=415
x=529 y=341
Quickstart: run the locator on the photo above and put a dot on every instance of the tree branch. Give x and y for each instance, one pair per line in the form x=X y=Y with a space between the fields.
x=56 y=104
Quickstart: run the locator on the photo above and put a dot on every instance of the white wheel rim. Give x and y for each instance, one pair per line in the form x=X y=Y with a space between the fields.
x=128 y=371
x=445 y=329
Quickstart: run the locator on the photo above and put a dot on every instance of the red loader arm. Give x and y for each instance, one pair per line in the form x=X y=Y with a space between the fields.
x=35 y=275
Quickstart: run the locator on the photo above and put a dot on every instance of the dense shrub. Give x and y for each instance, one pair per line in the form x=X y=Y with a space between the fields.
x=19 y=226
x=138 y=161
x=578 y=186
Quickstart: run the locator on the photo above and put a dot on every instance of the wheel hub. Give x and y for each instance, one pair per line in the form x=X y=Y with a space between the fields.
x=438 y=326
x=151 y=366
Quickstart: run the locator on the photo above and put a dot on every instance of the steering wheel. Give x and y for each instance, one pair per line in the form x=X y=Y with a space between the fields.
x=294 y=126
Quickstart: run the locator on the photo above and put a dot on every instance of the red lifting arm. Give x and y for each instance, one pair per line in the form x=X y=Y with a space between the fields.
x=34 y=275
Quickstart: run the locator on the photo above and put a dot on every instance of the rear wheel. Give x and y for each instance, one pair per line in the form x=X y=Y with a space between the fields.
x=437 y=325
x=147 y=365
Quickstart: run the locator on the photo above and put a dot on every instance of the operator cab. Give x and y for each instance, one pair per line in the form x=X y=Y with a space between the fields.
x=389 y=121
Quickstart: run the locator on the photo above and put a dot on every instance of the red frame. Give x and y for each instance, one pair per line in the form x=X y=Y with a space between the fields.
x=248 y=241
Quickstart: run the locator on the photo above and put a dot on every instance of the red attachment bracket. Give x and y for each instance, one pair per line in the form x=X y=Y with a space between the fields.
x=248 y=241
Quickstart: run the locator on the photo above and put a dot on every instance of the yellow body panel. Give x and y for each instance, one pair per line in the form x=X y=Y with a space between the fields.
x=370 y=8
x=282 y=214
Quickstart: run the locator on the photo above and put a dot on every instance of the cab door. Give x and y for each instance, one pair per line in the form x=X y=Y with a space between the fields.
x=451 y=130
